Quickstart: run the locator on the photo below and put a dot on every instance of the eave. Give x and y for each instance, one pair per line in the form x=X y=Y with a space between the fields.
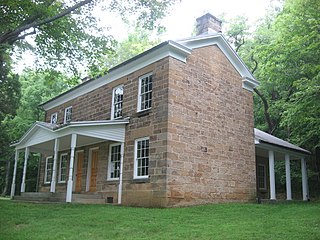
x=165 y=49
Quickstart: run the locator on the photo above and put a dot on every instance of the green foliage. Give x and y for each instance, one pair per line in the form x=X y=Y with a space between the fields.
x=36 y=87
x=138 y=41
x=219 y=221
x=289 y=64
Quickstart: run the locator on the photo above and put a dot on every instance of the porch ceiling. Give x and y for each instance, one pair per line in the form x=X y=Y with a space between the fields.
x=41 y=136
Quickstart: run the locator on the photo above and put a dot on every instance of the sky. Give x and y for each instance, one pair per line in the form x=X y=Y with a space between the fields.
x=182 y=17
x=181 y=20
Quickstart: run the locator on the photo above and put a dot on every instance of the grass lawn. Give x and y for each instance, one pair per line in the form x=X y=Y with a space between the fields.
x=219 y=221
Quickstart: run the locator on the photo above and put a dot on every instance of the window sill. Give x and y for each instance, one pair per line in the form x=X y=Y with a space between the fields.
x=112 y=180
x=140 y=180
x=144 y=112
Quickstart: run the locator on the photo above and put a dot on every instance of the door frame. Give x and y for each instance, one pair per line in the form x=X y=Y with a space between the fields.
x=75 y=169
x=89 y=168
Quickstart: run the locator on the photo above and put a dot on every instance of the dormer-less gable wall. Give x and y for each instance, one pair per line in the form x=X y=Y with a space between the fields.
x=210 y=131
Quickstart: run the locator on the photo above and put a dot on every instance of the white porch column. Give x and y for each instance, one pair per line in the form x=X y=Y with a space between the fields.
x=120 y=174
x=272 y=176
x=288 y=177
x=13 y=186
x=70 y=181
x=304 y=180
x=54 y=167
x=23 y=183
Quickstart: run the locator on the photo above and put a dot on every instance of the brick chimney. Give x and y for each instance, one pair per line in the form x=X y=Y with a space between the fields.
x=208 y=24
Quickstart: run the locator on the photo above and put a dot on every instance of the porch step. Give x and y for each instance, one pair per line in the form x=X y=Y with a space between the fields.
x=85 y=198
x=88 y=198
x=41 y=197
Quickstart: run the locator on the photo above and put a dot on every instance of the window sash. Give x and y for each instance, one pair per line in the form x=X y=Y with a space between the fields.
x=68 y=115
x=117 y=102
x=48 y=170
x=54 y=118
x=142 y=158
x=145 y=92
x=63 y=168
x=261 y=177
x=114 y=161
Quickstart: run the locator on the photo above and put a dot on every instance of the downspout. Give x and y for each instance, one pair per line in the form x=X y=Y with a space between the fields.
x=120 y=173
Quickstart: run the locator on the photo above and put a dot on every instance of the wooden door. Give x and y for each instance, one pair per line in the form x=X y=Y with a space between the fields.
x=94 y=169
x=80 y=156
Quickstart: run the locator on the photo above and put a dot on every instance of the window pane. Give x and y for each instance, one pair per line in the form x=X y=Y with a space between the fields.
x=114 y=164
x=142 y=160
x=145 y=92
x=117 y=102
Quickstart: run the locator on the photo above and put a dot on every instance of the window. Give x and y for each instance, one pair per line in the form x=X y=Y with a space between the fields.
x=48 y=171
x=141 y=163
x=54 y=118
x=145 y=92
x=67 y=115
x=117 y=100
x=63 y=168
x=114 y=161
x=261 y=175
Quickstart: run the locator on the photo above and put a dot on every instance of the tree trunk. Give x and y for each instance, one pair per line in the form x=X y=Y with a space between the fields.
x=7 y=178
x=271 y=126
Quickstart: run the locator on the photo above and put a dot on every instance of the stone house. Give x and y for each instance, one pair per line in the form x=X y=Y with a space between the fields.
x=172 y=126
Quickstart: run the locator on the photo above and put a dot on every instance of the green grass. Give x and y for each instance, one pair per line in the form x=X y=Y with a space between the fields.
x=219 y=221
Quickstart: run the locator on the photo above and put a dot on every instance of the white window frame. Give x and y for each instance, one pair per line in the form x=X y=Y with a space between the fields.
x=46 y=170
x=113 y=102
x=139 y=109
x=264 y=177
x=52 y=116
x=110 y=166
x=59 y=177
x=65 y=114
x=135 y=176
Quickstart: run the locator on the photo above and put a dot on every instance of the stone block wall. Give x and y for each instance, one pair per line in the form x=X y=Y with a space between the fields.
x=211 y=155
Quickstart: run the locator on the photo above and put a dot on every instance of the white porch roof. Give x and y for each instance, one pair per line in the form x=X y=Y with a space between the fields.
x=40 y=137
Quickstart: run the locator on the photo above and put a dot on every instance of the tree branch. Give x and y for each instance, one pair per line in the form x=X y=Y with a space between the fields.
x=255 y=64
x=12 y=36
x=26 y=34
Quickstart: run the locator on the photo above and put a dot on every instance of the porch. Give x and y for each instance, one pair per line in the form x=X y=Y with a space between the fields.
x=269 y=150
x=62 y=148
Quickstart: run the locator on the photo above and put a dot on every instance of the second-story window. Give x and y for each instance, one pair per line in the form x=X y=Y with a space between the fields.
x=145 y=92
x=117 y=101
x=54 y=118
x=67 y=115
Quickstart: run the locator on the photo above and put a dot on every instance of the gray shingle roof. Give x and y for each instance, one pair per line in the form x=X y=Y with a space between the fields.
x=268 y=138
